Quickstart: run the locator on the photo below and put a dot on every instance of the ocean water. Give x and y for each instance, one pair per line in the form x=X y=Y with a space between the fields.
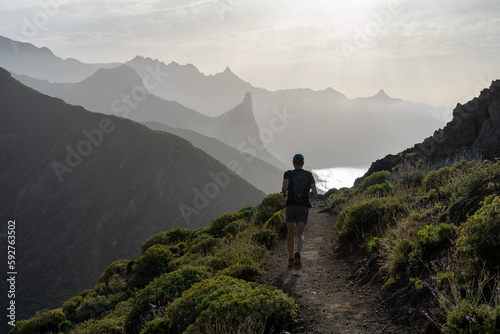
x=338 y=177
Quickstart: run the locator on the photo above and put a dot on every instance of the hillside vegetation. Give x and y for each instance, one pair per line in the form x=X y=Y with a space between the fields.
x=435 y=233
x=185 y=281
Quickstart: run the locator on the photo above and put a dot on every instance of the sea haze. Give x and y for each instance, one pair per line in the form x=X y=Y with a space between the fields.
x=338 y=177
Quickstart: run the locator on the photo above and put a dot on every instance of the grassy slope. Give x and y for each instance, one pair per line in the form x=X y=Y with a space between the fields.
x=435 y=234
x=180 y=274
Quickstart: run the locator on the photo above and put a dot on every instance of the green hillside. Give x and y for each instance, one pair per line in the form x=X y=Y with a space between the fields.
x=185 y=281
x=86 y=189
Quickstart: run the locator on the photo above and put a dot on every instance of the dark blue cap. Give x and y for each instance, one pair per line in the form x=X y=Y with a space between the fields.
x=298 y=159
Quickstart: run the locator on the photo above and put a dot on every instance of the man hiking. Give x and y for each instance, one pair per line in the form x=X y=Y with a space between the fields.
x=296 y=186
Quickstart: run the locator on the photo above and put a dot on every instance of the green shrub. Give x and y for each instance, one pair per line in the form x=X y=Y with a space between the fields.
x=480 y=235
x=244 y=271
x=46 y=321
x=432 y=195
x=263 y=214
x=154 y=262
x=335 y=200
x=474 y=174
x=216 y=228
x=116 y=268
x=65 y=326
x=179 y=234
x=399 y=255
x=247 y=212
x=69 y=307
x=174 y=236
x=374 y=178
x=92 y=307
x=157 y=239
x=266 y=237
x=374 y=245
x=437 y=178
x=432 y=237
x=466 y=317
x=269 y=206
x=355 y=220
x=203 y=244
x=413 y=179
x=379 y=188
x=107 y=325
x=225 y=257
x=276 y=201
x=277 y=223
x=235 y=227
x=162 y=290
x=229 y=300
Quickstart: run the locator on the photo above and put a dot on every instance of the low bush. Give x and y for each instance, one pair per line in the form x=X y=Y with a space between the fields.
x=162 y=291
x=91 y=307
x=400 y=255
x=437 y=178
x=216 y=227
x=276 y=201
x=358 y=219
x=480 y=235
x=265 y=237
x=244 y=271
x=157 y=239
x=179 y=234
x=46 y=321
x=227 y=300
x=374 y=178
x=277 y=223
x=380 y=188
x=433 y=237
x=235 y=227
x=412 y=179
x=151 y=264
x=230 y=254
x=203 y=244
x=269 y=206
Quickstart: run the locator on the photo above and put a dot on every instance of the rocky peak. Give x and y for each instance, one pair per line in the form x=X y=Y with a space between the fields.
x=473 y=132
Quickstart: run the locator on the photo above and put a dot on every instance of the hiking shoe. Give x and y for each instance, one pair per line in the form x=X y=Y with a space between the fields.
x=291 y=262
x=298 y=264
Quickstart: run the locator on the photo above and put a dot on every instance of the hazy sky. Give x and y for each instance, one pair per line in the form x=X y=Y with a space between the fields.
x=439 y=52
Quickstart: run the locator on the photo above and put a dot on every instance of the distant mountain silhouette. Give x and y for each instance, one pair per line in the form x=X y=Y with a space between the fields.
x=330 y=129
x=120 y=91
x=41 y=63
x=380 y=97
x=188 y=86
x=342 y=131
x=87 y=189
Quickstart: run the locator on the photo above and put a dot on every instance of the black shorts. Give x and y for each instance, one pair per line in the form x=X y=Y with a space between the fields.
x=296 y=214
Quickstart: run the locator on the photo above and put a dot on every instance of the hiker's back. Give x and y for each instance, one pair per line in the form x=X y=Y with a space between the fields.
x=299 y=185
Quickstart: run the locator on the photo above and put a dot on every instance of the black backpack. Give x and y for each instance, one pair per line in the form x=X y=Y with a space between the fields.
x=299 y=186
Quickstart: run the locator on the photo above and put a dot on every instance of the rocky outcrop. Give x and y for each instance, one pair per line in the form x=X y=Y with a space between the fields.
x=474 y=131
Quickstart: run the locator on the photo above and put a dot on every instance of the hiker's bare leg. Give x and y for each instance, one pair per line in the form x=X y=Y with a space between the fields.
x=291 y=238
x=300 y=235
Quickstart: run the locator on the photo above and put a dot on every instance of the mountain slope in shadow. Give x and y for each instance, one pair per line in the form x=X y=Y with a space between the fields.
x=86 y=189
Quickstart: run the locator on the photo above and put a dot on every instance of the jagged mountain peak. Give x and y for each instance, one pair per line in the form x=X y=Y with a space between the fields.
x=121 y=74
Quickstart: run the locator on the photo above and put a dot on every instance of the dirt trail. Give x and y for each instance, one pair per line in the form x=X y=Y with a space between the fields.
x=327 y=301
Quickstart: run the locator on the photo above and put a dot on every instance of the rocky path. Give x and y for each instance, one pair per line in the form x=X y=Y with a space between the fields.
x=328 y=302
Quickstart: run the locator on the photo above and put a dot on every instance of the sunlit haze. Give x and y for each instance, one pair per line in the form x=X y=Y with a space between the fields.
x=441 y=52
